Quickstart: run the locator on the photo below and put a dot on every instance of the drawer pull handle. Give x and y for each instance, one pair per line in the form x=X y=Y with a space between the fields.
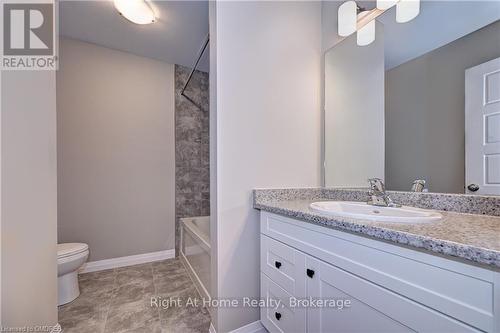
x=310 y=273
x=277 y=264
x=277 y=315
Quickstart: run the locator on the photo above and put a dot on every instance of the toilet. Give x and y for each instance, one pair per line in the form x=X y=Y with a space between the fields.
x=70 y=257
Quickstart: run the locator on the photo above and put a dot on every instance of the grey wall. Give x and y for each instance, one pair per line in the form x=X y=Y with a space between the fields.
x=265 y=88
x=28 y=199
x=116 y=153
x=192 y=169
x=425 y=113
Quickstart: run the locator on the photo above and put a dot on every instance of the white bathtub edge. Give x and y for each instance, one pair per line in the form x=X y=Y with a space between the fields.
x=196 y=232
x=194 y=277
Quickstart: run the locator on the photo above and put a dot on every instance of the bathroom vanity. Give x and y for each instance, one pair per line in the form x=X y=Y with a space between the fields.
x=440 y=276
x=428 y=121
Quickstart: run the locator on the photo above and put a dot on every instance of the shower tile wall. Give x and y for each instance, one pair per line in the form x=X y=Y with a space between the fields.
x=192 y=176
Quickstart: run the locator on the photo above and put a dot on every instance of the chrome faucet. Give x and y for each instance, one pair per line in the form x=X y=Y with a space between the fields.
x=418 y=185
x=378 y=195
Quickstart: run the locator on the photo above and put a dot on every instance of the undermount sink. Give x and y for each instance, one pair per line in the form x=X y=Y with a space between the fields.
x=363 y=210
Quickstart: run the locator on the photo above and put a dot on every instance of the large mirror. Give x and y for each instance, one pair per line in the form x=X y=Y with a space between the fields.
x=422 y=101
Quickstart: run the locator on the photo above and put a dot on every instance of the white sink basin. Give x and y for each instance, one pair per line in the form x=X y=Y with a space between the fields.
x=362 y=210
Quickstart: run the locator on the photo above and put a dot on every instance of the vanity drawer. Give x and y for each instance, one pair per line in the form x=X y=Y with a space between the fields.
x=283 y=264
x=464 y=292
x=282 y=317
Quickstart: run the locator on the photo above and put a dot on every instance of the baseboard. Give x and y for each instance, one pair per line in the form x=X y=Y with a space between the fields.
x=100 y=265
x=255 y=327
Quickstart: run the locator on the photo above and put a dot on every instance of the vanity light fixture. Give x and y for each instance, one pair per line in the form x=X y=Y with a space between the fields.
x=366 y=34
x=407 y=10
x=136 y=11
x=352 y=18
x=347 y=21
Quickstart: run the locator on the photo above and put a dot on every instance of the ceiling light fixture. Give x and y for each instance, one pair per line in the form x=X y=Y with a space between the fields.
x=352 y=18
x=136 y=11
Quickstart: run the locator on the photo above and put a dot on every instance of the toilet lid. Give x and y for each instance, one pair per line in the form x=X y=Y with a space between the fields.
x=69 y=249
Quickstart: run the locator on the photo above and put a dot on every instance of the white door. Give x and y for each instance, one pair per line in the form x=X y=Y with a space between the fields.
x=482 y=128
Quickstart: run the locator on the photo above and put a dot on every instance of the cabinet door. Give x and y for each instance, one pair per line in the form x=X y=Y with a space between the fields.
x=372 y=309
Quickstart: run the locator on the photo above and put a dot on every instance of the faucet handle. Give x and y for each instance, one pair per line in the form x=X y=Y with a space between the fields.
x=376 y=184
x=418 y=185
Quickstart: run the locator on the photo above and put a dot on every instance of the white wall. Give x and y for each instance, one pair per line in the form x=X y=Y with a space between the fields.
x=28 y=199
x=116 y=151
x=354 y=112
x=214 y=240
x=268 y=127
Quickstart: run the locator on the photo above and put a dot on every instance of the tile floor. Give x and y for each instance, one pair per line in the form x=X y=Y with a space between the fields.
x=119 y=300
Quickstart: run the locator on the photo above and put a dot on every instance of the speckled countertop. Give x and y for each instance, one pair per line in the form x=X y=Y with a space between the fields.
x=472 y=237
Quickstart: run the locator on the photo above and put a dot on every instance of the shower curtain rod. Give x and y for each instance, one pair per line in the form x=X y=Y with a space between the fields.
x=200 y=54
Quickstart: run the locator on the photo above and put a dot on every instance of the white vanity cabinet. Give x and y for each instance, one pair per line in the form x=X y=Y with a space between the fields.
x=390 y=288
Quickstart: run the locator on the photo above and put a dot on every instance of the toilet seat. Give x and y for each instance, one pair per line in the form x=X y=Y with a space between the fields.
x=65 y=250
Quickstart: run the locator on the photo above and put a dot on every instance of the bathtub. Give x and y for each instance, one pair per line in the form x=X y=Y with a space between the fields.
x=195 y=251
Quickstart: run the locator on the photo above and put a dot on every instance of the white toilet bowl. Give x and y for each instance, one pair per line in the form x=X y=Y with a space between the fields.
x=70 y=257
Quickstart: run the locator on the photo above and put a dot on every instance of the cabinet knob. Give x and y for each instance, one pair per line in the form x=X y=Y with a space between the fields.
x=277 y=264
x=277 y=315
x=310 y=273
x=473 y=187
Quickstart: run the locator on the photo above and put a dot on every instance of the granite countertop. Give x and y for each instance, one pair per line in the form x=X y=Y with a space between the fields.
x=472 y=237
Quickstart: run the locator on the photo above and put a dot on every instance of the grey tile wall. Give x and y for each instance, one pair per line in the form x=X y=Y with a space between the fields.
x=192 y=166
